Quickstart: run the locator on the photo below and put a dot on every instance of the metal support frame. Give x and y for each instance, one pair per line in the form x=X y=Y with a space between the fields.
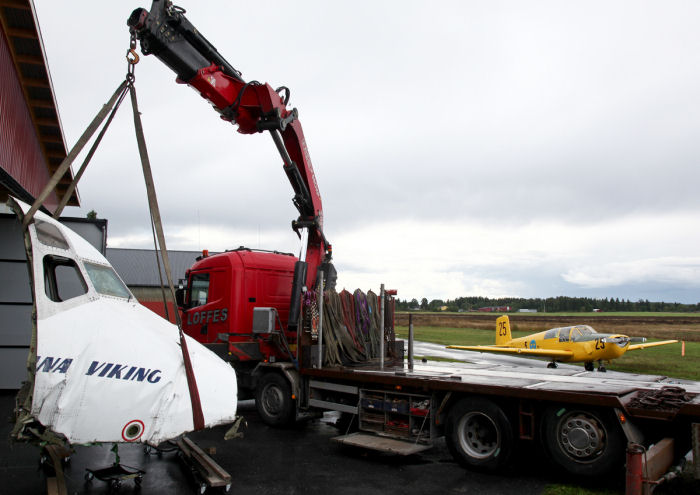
x=304 y=234
x=320 y=319
x=410 y=342
x=696 y=450
x=382 y=327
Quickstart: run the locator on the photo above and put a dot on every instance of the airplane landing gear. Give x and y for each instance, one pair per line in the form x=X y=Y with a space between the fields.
x=553 y=364
x=588 y=366
x=601 y=368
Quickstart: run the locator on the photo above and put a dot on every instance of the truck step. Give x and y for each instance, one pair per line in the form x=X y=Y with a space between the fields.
x=381 y=444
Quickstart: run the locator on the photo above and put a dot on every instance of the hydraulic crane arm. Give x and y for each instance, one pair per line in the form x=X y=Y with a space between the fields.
x=166 y=33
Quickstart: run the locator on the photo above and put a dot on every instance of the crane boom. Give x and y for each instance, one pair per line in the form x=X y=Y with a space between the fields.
x=165 y=32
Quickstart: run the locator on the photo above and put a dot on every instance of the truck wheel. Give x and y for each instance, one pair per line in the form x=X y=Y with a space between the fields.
x=583 y=442
x=273 y=399
x=479 y=434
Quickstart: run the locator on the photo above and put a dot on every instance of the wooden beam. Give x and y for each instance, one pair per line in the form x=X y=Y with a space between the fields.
x=17 y=4
x=41 y=103
x=25 y=33
x=29 y=59
x=35 y=83
x=46 y=121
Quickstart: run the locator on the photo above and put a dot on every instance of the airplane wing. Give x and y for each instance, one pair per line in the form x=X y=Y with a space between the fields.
x=636 y=347
x=553 y=353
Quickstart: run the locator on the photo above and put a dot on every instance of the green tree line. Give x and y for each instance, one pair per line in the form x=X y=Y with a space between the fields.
x=547 y=305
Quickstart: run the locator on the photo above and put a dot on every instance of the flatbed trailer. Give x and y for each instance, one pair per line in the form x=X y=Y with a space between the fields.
x=584 y=420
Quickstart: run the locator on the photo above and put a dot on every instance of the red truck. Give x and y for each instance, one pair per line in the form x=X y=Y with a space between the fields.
x=247 y=306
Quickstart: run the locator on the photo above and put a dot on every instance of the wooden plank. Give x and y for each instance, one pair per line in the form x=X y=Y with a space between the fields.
x=51 y=486
x=381 y=444
x=208 y=461
x=658 y=459
x=213 y=474
x=57 y=455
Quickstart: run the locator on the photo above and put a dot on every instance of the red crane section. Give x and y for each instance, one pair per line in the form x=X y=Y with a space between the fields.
x=166 y=33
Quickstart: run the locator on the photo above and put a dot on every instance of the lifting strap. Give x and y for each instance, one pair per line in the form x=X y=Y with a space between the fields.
x=156 y=223
x=197 y=414
x=72 y=155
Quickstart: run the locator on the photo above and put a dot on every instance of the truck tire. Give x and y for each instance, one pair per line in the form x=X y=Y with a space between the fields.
x=585 y=442
x=273 y=400
x=478 y=434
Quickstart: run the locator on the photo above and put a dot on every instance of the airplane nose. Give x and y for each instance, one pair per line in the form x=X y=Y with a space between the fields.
x=619 y=340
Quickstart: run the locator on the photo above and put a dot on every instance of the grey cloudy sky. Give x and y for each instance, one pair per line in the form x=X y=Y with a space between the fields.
x=491 y=148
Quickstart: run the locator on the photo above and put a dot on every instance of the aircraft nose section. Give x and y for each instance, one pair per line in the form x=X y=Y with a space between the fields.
x=619 y=340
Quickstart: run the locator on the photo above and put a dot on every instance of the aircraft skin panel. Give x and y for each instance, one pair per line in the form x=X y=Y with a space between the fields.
x=108 y=369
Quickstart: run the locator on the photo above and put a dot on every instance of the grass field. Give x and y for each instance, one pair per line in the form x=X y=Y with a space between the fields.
x=581 y=314
x=663 y=360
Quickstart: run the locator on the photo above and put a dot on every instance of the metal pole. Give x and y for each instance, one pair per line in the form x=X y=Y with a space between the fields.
x=696 y=450
x=634 y=481
x=320 y=322
x=410 y=342
x=381 y=328
x=304 y=234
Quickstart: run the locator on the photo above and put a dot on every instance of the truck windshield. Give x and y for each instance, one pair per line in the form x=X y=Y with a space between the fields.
x=106 y=280
x=199 y=289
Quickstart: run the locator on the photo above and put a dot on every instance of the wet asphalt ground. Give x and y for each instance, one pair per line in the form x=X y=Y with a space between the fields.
x=300 y=460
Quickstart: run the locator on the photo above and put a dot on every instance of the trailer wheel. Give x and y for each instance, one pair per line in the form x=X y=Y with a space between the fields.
x=583 y=442
x=273 y=399
x=479 y=434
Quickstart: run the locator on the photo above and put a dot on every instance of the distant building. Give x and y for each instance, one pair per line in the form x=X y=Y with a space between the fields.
x=495 y=309
x=139 y=270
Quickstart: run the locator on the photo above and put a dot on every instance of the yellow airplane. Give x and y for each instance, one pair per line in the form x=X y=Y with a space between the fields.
x=578 y=343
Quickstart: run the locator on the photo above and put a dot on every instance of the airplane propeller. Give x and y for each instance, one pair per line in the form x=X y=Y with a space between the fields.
x=621 y=340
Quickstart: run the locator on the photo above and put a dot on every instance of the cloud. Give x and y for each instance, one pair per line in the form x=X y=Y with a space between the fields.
x=678 y=271
x=481 y=148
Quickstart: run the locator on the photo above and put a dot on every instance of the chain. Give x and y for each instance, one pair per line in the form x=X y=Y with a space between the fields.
x=667 y=398
x=132 y=58
x=311 y=313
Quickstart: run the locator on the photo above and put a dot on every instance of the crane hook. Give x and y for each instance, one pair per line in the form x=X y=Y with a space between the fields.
x=132 y=57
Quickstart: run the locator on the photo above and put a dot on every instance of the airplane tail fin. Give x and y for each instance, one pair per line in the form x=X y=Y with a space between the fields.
x=503 y=330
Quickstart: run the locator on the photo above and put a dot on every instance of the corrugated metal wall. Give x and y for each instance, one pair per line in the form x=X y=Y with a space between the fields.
x=16 y=294
x=20 y=151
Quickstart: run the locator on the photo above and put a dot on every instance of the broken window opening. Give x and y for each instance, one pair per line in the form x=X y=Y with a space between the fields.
x=62 y=279
x=49 y=235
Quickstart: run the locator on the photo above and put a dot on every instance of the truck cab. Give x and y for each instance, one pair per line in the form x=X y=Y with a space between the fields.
x=218 y=301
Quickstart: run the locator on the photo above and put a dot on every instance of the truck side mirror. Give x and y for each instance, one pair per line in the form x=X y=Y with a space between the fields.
x=180 y=298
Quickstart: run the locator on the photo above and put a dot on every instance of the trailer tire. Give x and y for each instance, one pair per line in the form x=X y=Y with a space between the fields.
x=479 y=434
x=273 y=400
x=585 y=442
